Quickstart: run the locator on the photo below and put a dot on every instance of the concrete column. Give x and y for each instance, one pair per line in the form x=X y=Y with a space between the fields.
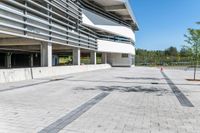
x=76 y=56
x=31 y=60
x=93 y=57
x=133 y=60
x=104 y=58
x=5 y=62
x=8 y=60
x=46 y=54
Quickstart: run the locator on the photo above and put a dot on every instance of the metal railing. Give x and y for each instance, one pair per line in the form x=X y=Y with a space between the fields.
x=52 y=21
x=116 y=39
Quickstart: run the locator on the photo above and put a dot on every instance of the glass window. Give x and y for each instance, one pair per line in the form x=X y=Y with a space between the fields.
x=124 y=55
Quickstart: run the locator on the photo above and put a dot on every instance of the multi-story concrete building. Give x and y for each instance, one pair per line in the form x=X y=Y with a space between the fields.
x=47 y=33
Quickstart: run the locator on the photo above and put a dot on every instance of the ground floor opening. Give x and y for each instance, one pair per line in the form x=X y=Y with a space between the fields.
x=22 y=53
x=22 y=56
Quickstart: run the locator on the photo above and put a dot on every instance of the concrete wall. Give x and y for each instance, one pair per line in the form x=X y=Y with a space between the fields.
x=116 y=60
x=12 y=75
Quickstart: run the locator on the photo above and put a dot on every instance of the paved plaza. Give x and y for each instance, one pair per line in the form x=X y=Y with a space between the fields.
x=116 y=100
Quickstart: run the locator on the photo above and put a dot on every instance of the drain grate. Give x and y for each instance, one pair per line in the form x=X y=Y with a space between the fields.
x=57 y=79
x=184 y=101
x=155 y=83
x=58 y=125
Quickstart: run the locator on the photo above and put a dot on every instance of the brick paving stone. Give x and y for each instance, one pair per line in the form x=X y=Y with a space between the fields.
x=134 y=104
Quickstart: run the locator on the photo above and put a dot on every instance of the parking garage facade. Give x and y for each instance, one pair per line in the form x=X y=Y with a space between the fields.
x=33 y=30
x=45 y=33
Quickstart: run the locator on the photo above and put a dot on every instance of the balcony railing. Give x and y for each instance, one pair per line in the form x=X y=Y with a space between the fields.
x=116 y=39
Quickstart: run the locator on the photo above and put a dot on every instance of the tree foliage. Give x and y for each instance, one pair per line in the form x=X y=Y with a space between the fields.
x=169 y=56
x=186 y=51
x=193 y=38
x=171 y=51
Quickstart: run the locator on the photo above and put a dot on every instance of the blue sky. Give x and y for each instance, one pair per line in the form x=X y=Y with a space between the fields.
x=163 y=23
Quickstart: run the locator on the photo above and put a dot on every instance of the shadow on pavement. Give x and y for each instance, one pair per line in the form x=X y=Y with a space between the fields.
x=139 y=78
x=127 y=89
x=128 y=82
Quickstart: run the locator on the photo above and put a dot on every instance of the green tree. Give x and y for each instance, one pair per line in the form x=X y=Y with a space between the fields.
x=171 y=51
x=193 y=38
x=171 y=55
x=186 y=52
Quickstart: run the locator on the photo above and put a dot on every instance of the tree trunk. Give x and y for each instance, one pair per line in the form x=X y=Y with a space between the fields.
x=196 y=62
x=195 y=71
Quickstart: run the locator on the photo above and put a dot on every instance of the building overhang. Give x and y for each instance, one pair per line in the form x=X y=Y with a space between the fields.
x=115 y=47
x=121 y=8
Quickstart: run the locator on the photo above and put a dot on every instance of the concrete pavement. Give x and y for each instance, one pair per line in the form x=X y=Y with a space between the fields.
x=137 y=100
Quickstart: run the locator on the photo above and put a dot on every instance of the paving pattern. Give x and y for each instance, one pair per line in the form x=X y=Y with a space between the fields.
x=184 y=101
x=116 y=100
x=73 y=115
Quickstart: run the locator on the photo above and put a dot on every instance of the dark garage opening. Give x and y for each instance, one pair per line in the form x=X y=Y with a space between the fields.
x=36 y=60
x=20 y=60
x=2 y=60
x=24 y=60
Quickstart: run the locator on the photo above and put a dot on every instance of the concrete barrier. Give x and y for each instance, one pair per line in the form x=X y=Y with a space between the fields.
x=13 y=75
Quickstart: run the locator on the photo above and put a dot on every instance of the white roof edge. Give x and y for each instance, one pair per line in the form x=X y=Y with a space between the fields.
x=129 y=8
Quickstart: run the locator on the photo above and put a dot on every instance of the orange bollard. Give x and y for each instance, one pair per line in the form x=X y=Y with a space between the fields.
x=161 y=69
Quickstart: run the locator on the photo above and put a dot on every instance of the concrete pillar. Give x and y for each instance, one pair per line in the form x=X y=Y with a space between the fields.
x=93 y=57
x=104 y=58
x=5 y=63
x=31 y=60
x=76 y=56
x=133 y=60
x=8 y=60
x=46 y=54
